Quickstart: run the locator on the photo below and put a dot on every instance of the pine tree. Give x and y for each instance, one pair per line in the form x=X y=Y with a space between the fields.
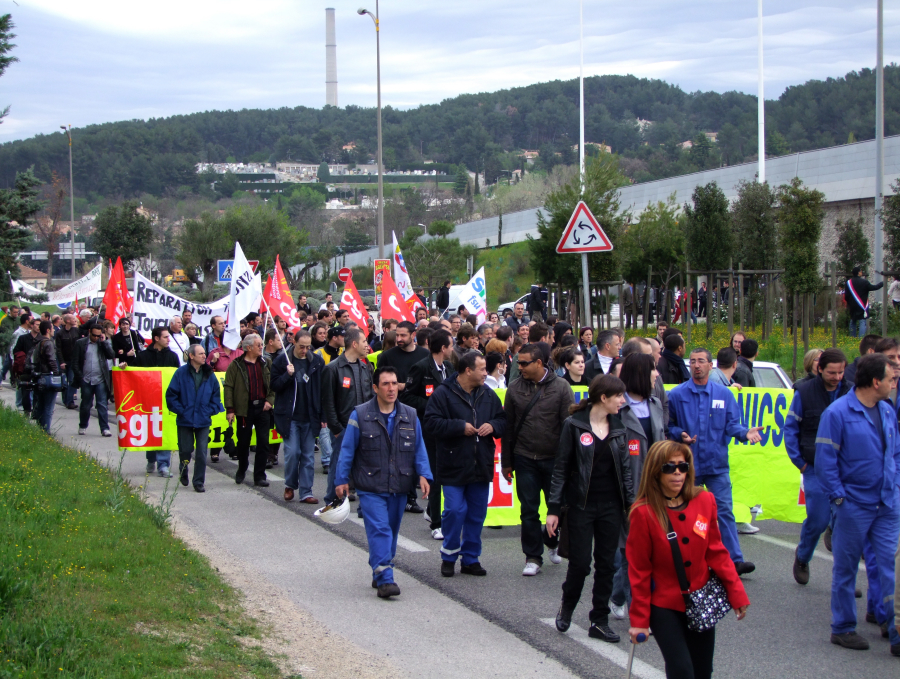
x=461 y=183
x=707 y=229
x=19 y=205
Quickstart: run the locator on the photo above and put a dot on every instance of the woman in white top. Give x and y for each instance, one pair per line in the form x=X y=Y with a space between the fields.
x=496 y=367
x=894 y=292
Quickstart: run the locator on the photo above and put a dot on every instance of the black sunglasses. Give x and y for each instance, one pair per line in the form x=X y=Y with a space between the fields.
x=525 y=364
x=670 y=467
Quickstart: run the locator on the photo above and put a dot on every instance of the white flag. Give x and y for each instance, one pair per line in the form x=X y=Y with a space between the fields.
x=401 y=275
x=246 y=292
x=474 y=296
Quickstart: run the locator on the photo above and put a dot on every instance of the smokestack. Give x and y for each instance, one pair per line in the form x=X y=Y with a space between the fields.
x=331 y=98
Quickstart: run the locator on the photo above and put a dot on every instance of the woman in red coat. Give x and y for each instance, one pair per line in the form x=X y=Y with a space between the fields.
x=667 y=494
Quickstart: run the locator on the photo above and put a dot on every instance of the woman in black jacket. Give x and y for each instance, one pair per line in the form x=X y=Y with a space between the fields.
x=593 y=474
x=126 y=343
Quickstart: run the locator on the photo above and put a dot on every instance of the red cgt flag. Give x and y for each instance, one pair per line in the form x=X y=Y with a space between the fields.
x=392 y=302
x=353 y=304
x=113 y=298
x=277 y=296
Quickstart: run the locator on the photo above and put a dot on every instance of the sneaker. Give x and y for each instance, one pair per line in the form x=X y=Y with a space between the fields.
x=151 y=467
x=617 y=611
x=414 y=508
x=801 y=571
x=826 y=538
x=555 y=557
x=850 y=640
x=448 y=568
x=164 y=472
x=747 y=529
x=82 y=432
x=531 y=568
x=603 y=632
x=106 y=433
x=473 y=569
x=388 y=590
x=436 y=534
x=744 y=567
x=564 y=618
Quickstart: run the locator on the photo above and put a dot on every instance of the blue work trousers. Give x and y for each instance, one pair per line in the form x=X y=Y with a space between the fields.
x=818 y=515
x=720 y=486
x=300 y=458
x=875 y=604
x=465 y=509
x=854 y=524
x=382 y=514
x=332 y=468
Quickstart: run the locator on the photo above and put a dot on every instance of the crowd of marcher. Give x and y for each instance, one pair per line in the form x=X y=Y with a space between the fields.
x=635 y=478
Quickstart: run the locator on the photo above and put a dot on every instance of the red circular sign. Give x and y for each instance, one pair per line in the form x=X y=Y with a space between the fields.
x=345 y=274
x=586 y=439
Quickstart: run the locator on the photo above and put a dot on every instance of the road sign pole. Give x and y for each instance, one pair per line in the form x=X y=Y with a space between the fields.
x=587 y=292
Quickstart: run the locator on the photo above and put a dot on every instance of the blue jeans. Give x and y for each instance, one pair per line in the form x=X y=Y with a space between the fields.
x=90 y=392
x=299 y=458
x=325 y=447
x=720 y=486
x=858 y=328
x=192 y=439
x=163 y=458
x=7 y=365
x=69 y=393
x=382 y=513
x=818 y=515
x=44 y=404
x=854 y=524
x=332 y=468
x=621 y=591
x=465 y=509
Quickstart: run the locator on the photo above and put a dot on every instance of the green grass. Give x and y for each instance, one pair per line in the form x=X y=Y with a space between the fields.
x=90 y=591
x=507 y=271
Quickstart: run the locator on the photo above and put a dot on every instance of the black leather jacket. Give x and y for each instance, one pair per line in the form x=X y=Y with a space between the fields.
x=339 y=392
x=572 y=473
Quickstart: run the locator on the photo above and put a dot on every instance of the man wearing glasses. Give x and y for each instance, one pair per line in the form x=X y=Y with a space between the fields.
x=91 y=369
x=706 y=417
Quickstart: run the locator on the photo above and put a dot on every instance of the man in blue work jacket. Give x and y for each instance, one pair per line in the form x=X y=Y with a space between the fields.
x=383 y=451
x=858 y=468
x=810 y=400
x=706 y=417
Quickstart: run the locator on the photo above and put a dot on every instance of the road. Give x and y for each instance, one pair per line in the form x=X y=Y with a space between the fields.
x=500 y=625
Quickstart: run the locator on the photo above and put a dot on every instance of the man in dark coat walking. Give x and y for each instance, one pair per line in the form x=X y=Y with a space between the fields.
x=856 y=295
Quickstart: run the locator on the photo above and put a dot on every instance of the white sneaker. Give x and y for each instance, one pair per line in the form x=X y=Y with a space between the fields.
x=617 y=611
x=531 y=568
x=106 y=433
x=82 y=432
x=436 y=534
x=165 y=473
x=747 y=529
x=555 y=557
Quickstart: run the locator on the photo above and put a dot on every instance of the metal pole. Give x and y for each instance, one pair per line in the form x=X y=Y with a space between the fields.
x=879 y=151
x=584 y=257
x=71 y=206
x=761 y=101
x=380 y=158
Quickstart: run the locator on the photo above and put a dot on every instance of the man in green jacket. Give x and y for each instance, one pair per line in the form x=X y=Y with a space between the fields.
x=249 y=398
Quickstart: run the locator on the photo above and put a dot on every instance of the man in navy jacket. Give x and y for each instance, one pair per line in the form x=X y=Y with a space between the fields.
x=858 y=468
x=464 y=417
x=193 y=395
x=706 y=417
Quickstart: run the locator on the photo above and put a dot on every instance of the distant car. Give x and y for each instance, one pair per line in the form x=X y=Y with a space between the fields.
x=767 y=375
x=511 y=305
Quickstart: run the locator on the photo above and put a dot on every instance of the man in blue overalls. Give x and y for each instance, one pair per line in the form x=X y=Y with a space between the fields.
x=383 y=451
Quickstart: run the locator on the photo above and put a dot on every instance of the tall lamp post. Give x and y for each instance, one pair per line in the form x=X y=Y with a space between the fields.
x=68 y=131
x=380 y=234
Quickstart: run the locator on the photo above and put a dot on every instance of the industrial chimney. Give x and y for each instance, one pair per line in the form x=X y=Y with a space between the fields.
x=331 y=98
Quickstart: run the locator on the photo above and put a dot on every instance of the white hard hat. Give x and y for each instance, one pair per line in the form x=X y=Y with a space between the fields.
x=335 y=512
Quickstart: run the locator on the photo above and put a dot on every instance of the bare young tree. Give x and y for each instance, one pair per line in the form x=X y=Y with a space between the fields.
x=47 y=227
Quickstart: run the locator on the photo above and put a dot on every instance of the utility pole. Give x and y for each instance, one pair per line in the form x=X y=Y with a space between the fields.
x=761 y=100
x=879 y=147
x=68 y=131
x=584 y=258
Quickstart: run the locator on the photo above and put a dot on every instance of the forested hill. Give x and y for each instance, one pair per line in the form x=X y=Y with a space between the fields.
x=643 y=120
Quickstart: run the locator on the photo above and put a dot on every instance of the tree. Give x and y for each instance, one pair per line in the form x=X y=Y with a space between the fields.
x=656 y=240
x=324 y=174
x=753 y=226
x=227 y=184
x=122 y=232
x=707 y=229
x=461 y=183
x=800 y=215
x=852 y=247
x=202 y=242
x=47 y=226
x=433 y=260
x=6 y=34
x=602 y=181
x=18 y=204
x=890 y=219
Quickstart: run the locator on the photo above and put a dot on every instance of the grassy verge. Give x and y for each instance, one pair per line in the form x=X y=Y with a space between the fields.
x=93 y=584
x=775 y=349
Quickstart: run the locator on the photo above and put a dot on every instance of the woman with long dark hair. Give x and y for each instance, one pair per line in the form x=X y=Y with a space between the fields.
x=319 y=335
x=668 y=503
x=586 y=340
x=572 y=362
x=593 y=475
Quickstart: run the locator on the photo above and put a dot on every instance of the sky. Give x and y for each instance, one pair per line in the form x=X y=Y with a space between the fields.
x=95 y=61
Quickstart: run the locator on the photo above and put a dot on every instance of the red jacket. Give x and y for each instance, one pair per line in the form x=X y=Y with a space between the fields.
x=651 y=570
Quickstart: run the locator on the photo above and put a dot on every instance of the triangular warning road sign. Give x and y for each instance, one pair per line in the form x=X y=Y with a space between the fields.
x=583 y=233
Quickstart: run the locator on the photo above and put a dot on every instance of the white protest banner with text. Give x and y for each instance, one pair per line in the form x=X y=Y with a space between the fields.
x=246 y=293
x=84 y=288
x=154 y=306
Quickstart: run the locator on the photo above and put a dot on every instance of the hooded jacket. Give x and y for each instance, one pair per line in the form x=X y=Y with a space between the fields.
x=460 y=459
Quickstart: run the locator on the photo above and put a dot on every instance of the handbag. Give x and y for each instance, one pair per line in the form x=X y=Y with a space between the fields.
x=705 y=606
x=50 y=382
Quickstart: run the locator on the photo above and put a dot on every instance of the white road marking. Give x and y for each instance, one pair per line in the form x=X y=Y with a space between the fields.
x=793 y=547
x=611 y=652
x=405 y=543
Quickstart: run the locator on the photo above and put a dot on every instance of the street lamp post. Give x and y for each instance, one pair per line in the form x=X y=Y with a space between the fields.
x=380 y=234
x=68 y=131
